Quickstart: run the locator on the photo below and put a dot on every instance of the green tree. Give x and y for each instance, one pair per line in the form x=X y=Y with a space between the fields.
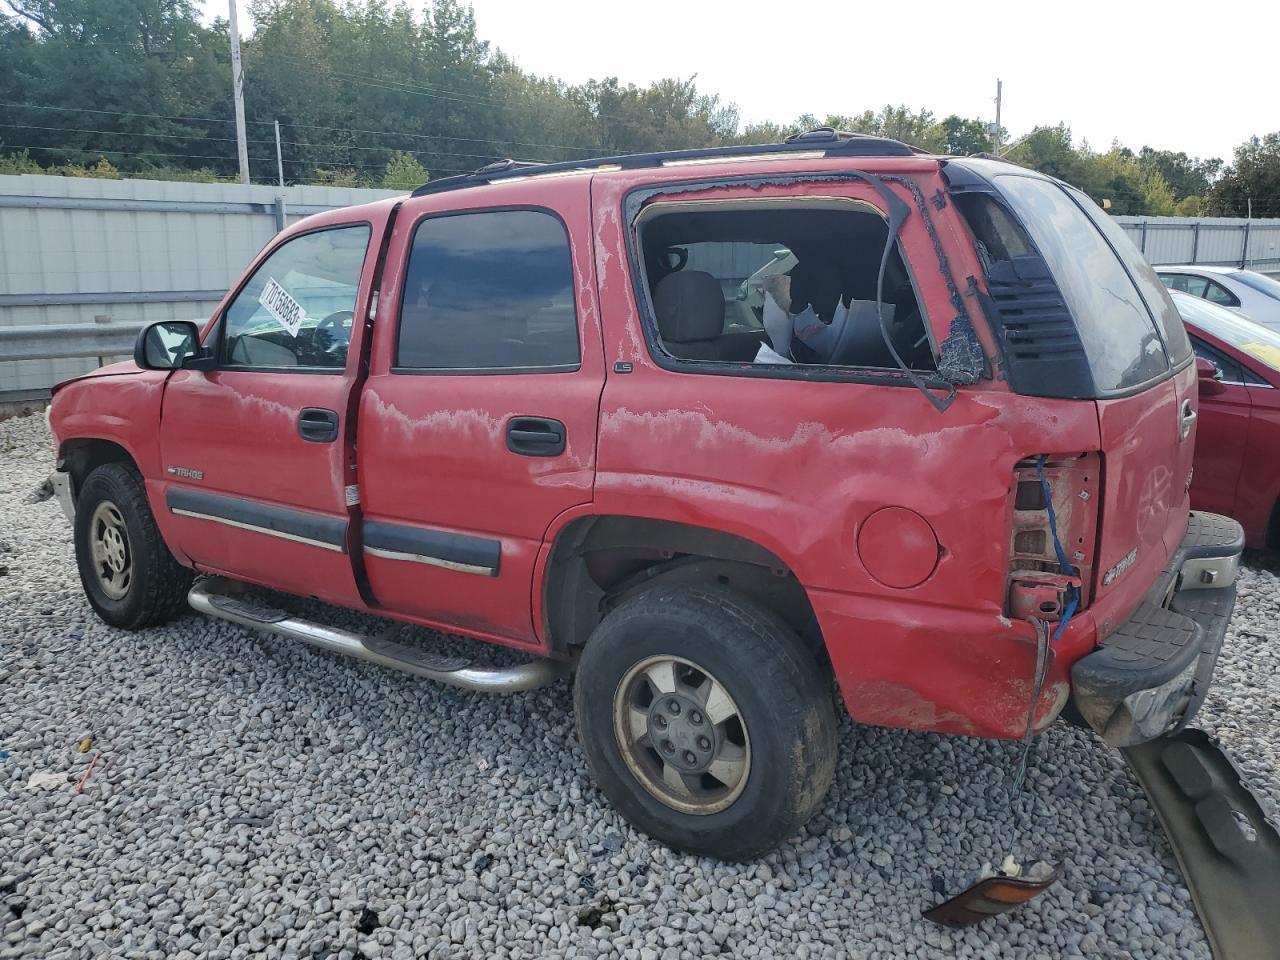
x=965 y=136
x=1252 y=180
x=1186 y=176
x=403 y=172
x=115 y=70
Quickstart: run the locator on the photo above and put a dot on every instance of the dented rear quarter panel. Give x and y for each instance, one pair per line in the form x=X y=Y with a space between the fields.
x=797 y=466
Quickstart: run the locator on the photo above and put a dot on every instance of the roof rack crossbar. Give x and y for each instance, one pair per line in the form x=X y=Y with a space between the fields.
x=833 y=143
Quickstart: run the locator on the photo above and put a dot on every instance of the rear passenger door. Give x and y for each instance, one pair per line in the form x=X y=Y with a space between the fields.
x=478 y=420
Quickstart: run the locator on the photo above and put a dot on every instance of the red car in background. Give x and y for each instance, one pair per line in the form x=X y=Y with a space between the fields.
x=1237 y=458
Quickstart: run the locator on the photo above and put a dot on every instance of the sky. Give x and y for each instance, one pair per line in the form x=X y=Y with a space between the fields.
x=1143 y=74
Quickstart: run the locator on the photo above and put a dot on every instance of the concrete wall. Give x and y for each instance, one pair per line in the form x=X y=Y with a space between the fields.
x=73 y=249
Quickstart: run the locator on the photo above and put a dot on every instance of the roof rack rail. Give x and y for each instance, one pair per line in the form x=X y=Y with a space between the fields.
x=833 y=143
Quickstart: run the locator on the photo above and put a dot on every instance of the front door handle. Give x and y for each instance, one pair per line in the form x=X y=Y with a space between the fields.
x=535 y=437
x=318 y=425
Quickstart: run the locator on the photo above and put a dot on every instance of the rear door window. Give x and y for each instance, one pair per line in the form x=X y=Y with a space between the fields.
x=489 y=291
x=1185 y=283
x=1117 y=331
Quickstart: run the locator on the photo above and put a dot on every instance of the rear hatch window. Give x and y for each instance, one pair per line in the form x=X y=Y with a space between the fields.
x=1124 y=349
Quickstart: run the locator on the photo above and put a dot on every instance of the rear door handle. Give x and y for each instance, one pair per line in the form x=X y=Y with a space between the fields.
x=535 y=437
x=318 y=425
x=1186 y=420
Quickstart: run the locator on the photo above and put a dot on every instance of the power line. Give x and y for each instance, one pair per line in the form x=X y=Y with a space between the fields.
x=437 y=93
x=339 y=161
x=117 y=113
x=122 y=153
x=307 y=126
x=126 y=133
x=293 y=143
x=339 y=146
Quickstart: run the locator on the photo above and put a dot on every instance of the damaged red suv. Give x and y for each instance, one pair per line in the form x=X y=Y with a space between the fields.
x=710 y=429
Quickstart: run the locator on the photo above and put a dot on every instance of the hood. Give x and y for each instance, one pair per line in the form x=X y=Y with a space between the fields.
x=123 y=368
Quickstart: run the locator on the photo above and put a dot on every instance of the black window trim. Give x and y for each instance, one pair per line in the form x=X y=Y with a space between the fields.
x=397 y=369
x=218 y=330
x=634 y=203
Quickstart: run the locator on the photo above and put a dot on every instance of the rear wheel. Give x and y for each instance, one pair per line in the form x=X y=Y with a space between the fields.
x=705 y=721
x=129 y=576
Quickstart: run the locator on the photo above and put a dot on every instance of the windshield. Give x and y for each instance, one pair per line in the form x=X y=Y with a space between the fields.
x=1115 y=325
x=1259 y=282
x=1231 y=328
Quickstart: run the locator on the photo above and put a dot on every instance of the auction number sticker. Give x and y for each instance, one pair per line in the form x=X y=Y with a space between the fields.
x=287 y=311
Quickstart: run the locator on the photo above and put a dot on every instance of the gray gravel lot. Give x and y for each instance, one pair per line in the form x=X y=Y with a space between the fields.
x=253 y=797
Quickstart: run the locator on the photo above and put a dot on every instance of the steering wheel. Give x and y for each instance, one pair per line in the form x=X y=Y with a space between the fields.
x=329 y=326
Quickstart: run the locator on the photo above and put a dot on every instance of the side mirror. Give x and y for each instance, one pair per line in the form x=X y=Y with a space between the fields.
x=166 y=345
x=1210 y=378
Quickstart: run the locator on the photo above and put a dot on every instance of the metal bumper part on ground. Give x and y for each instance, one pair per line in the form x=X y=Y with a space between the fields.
x=1148 y=678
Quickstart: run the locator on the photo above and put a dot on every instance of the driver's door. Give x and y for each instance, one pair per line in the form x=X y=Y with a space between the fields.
x=255 y=452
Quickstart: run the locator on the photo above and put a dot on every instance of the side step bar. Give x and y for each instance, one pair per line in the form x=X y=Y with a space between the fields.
x=216 y=597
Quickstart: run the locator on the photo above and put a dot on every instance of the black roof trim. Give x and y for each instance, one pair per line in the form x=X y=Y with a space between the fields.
x=835 y=143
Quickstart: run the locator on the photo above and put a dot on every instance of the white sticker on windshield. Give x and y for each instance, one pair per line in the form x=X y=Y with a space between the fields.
x=287 y=311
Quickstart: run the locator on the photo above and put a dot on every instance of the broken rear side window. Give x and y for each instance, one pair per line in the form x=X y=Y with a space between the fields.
x=779 y=283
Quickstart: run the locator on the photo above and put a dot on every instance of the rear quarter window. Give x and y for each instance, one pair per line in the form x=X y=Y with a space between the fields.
x=1117 y=331
x=1149 y=285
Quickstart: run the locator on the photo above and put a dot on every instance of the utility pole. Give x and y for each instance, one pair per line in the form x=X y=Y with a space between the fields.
x=237 y=84
x=279 y=162
x=999 y=96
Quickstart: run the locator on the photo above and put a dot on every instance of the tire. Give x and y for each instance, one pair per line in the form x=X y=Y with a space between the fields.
x=130 y=578
x=779 y=742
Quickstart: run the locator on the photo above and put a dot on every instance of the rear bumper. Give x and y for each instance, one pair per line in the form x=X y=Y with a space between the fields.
x=1149 y=677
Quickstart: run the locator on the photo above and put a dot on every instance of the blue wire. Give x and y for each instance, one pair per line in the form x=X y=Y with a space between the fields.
x=1073 y=595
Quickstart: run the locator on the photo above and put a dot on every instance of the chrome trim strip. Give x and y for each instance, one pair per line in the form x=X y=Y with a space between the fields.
x=253 y=528
x=384 y=554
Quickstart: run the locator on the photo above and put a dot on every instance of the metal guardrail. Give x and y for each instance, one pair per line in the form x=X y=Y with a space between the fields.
x=60 y=341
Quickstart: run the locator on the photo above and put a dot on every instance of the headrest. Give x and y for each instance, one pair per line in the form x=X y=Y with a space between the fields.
x=690 y=307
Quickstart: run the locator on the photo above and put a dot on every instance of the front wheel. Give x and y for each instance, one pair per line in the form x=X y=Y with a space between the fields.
x=129 y=576
x=705 y=721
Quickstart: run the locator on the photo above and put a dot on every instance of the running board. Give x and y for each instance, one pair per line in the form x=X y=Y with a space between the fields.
x=217 y=598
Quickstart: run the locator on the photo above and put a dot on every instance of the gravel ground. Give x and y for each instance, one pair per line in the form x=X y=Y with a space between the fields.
x=255 y=797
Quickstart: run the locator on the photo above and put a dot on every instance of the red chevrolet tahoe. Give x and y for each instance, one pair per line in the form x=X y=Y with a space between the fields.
x=708 y=429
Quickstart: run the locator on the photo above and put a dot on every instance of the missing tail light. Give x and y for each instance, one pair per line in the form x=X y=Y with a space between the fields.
x=1039 y=582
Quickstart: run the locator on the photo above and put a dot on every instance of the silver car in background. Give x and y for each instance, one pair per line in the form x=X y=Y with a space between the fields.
x=1253 y=294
